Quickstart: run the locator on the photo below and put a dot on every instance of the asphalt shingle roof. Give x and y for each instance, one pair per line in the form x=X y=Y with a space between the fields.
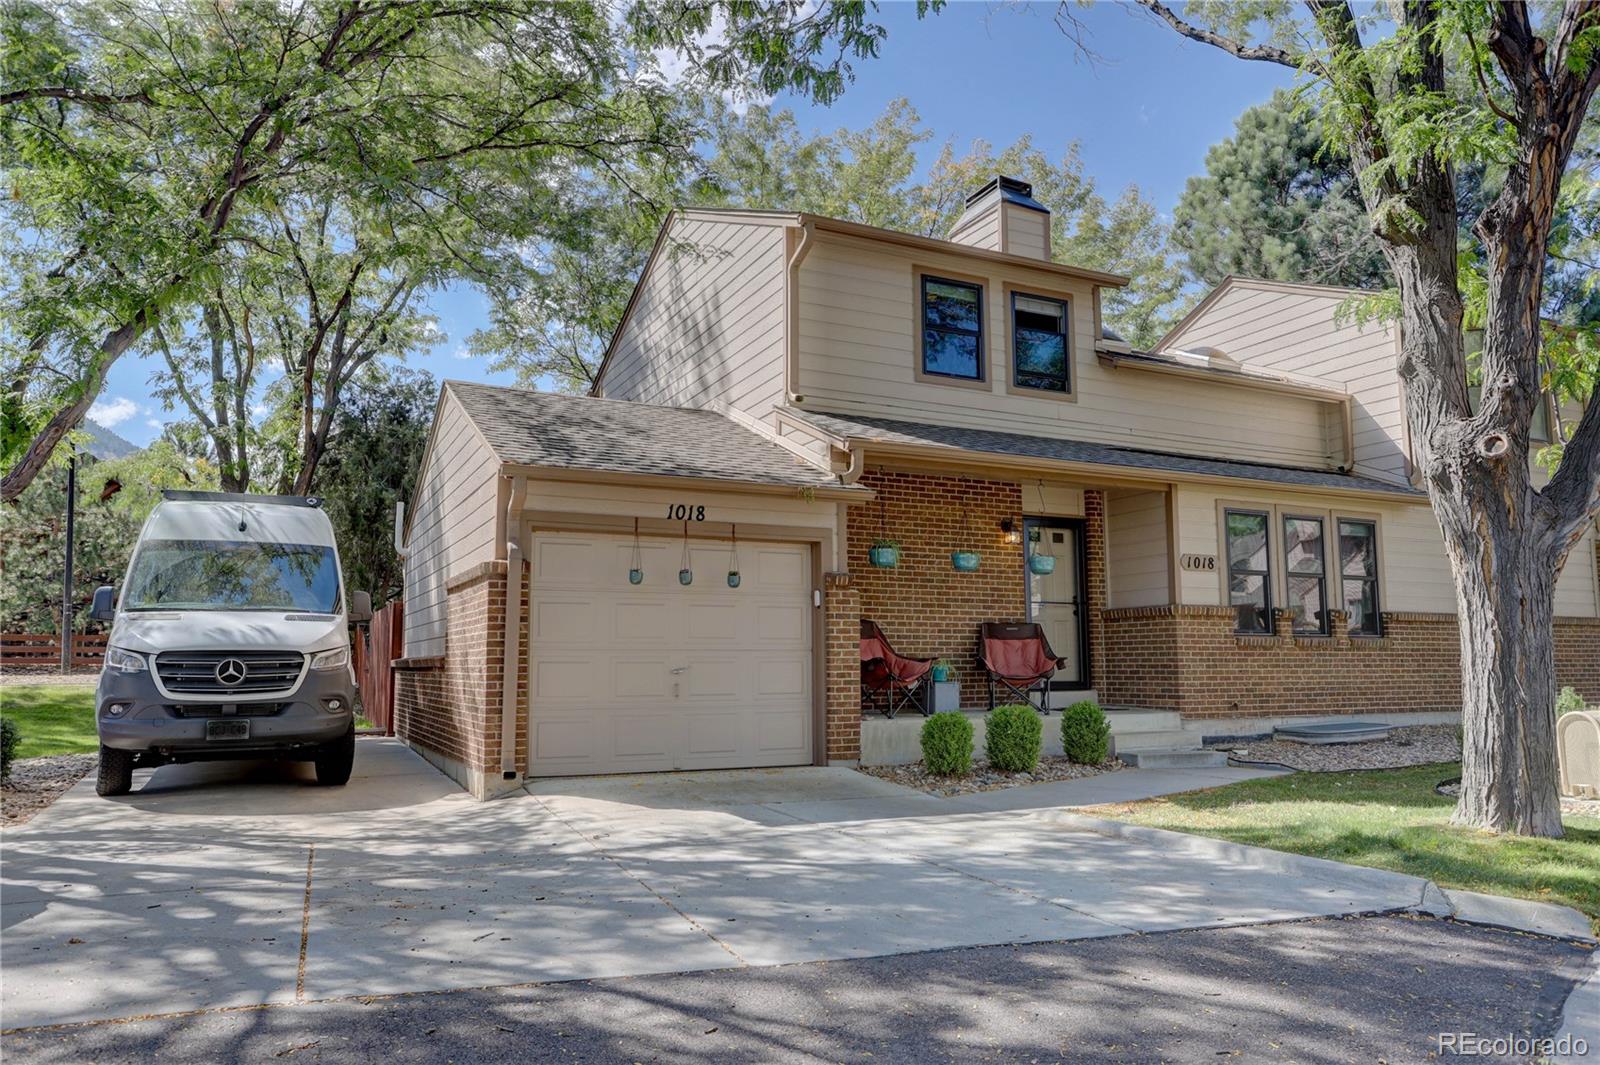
x=528 y=428
x=890 y=431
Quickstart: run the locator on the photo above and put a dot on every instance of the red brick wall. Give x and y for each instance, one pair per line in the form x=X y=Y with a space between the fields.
x=842 y=627
x=1188 y=658
x=925 y=607
x=451 y=705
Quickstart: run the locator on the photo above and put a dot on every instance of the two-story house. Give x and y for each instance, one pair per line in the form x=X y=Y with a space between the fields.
x=681 y=559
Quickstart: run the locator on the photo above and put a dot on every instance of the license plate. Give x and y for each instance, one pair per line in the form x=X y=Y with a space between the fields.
x=227 y=730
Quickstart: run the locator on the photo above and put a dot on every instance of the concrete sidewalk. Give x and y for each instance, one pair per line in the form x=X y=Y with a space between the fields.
x=199 y=892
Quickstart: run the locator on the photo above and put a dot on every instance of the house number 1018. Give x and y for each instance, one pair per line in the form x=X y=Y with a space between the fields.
x=685 y=512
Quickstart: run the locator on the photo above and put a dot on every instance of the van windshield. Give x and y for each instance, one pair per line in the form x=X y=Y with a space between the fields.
x=232 y=575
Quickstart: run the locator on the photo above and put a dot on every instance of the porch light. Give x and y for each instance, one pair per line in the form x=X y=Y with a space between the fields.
x=1011 y=531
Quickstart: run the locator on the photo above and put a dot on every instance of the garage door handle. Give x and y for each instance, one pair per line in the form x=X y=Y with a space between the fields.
x=680 y=669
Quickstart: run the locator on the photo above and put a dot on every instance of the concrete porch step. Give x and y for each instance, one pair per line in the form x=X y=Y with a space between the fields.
x=1176 y=759
x=1141 y=720
x=1155 y=740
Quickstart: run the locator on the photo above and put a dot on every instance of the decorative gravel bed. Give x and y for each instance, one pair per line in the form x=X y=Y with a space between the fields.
x=1408 y=746
x=37 y=782
x=983 y=778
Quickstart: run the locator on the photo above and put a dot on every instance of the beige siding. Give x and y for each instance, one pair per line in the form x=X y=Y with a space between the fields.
x=1414 y=571
x=707 y=323
x=857 y=320
x=1295 y=332
x=1027 y=232
x=1137 y=559
x=979 y=229
x=453 y=517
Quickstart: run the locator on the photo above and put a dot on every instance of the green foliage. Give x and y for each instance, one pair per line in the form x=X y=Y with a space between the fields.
x=372 y=461
x=1570 y=702
x=1085 y=733
x=1013 y=736
x=10 y=738
x=947 y=744
x=1277 y=202
x=51 y=718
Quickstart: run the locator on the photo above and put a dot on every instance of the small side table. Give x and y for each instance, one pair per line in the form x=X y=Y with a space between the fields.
x=944 y=695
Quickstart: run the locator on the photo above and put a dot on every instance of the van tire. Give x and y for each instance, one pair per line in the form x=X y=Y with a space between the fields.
x=116 y=772
x=335 y=760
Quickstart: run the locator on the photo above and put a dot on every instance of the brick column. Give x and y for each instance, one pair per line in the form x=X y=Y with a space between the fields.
x=1094 y=514
x=841 y=606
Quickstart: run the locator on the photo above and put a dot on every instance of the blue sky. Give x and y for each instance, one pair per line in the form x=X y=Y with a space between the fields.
x=1144 y=116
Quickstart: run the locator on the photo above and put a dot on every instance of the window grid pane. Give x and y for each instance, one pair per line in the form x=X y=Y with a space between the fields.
x=1249 y=579
x=1039 y=345
x=1302 y=555
x=1358 y=568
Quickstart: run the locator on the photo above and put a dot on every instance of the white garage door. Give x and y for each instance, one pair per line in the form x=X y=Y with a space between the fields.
x=632 y=678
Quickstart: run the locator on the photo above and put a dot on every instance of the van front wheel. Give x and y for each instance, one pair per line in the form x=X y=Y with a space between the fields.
x=116 y=772
x=334 y=760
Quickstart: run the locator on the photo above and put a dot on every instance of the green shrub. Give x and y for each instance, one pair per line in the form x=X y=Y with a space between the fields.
x=947 y=744
x=1085 y=735
x=1014 y=735
x=1569 y=702
x=9 y=738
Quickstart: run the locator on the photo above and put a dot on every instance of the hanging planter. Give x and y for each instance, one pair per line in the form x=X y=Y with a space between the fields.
x=884 y=554
x=685 y=574
x=964 y=559
x=733 y=560
x=636 y=573
x=1041 y=563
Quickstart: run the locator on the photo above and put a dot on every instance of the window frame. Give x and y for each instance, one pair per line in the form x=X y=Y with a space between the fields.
x=919 y=326
x=1377 y=578
x=1267 y=514
x=1285 y=516
x=1011 y=291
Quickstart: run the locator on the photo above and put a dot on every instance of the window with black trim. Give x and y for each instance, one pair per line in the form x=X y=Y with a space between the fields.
x=952 y=329
x=1538 y=426
x=1358 y=574
x=1249 y=570
x=1305 y=574
x=1039 y=348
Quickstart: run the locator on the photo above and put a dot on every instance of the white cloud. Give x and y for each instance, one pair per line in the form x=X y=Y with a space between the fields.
x=462 y=352
x=155 y=423
x=114 y=411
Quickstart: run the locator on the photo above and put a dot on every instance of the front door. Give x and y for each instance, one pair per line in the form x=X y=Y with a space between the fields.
x=1056 y=599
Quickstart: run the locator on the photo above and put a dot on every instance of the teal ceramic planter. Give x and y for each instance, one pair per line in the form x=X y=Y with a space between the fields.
x=884 y=557
x=1043 y=565
x=964 y=561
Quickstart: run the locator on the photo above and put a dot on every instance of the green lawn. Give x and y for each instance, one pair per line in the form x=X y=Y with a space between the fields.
x=1387 y=819
x=51 y=718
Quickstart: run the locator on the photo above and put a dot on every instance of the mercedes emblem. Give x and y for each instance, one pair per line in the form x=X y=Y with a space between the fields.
x=230 y=672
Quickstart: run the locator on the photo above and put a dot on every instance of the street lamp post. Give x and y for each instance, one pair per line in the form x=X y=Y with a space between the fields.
x=66 y=573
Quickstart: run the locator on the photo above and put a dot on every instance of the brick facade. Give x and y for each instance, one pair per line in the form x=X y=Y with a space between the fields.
x=842 y=667
x=449 y=707
x=1189 y=659
x=926 y=608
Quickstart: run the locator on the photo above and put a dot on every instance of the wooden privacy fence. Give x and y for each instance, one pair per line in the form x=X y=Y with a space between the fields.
x=376 y=645
x=42 y=650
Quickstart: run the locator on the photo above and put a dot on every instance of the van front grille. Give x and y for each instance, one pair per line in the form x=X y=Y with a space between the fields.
x=229 y=672
x=215 y=709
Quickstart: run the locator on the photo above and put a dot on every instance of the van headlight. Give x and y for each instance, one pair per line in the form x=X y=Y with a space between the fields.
x=337 y=658
x=124 y=661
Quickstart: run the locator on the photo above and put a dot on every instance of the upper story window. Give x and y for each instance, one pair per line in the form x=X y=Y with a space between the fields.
x=1039 y=343
x=1538 y=427
x=952 y=328
x=1249 y=572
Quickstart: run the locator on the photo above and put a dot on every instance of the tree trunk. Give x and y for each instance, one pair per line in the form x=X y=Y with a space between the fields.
x=1505 y=595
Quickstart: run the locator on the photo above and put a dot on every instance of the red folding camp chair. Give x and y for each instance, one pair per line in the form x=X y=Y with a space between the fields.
x=899 y=679
x=1018 y=658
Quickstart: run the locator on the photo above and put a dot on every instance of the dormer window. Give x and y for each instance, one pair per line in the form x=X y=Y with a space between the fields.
x=952 y=329
x=1040 y=353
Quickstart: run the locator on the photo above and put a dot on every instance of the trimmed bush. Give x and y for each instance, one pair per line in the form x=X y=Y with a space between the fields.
x=9 y=738
x=1014 y=735
x=1085 y=735
x=947 y=744
x=1569 y=702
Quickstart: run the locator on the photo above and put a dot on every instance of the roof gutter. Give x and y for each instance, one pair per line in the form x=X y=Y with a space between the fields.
x=511 y=642
x=820 y=491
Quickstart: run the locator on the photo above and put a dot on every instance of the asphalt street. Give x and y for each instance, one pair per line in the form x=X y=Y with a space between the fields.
x=1337 y=990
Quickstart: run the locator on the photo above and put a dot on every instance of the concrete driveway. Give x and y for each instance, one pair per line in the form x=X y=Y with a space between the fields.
x=217 y=886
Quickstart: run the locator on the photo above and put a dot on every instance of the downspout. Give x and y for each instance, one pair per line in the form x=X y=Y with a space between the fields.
x=791 y=325
x=400 y=527
x=858 y=459
x=512 y=642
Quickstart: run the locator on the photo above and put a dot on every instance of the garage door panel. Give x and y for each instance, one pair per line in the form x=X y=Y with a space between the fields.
x=605 y=699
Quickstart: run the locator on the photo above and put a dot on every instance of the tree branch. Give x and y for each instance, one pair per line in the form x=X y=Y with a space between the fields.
x=61 y=92
x=1264 y=53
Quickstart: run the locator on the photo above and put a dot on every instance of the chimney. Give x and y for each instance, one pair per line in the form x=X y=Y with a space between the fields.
x=1003 y=216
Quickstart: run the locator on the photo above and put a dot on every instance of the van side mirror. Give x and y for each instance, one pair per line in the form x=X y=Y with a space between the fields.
x=360 y=607
x=104 y=607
